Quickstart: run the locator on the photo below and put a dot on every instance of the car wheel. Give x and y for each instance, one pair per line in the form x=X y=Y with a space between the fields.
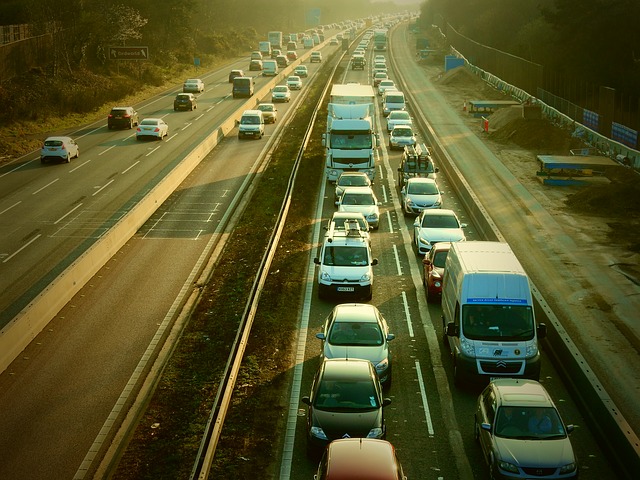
x=130 y=124
x=175 y=109
x=476 y=430
x=78 y=153
x=68 y=160
x=109 y=127
x=42 y=160
x=457 y=375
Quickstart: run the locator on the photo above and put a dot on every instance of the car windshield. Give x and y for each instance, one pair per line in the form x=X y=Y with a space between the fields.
x=497 y=322
x=402 y=132
x=53 y=143
x=280 y=89
x=265 y=108
x=353 y=181
x=351 y=140
x=355 y=334
x=358 y=199
x=422 y=188
x=440 y=221
x=395 y=99
x=347 y=396
x=149 y=122
x=250 y=120
x=440 y=258
x=341 y=256
x=399 y=115
x=529 y=423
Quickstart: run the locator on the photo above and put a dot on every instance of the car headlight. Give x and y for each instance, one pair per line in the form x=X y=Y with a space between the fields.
x=366 y=277
x=382 y=365
x=409 y=202
x=438 y=202
x=372 y=216
x=568 y=468
x=318 y=433
x=325 y=276
x=532 y=349
x=467 y=347
x=509 y=467
x=423 y=239
x=375 y=433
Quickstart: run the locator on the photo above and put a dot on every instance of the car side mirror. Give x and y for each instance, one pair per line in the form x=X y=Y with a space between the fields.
x=386 y=402
x=436 y=169
x=416 y=223
x=542 y=331
x=485 y=426
x=316 y=261
x=463 y=225
x=404 y=190
x=570 y=428
x=452 y=330
x=426 y=261
x=306 y=400
x=374 y=261
x=390 y=336
x=320 y=336
x=237 y=122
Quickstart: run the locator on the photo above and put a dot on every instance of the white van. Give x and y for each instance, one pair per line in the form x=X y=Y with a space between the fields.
x=393 y=100
x=251 y=124
x=487 y=313
x=269 y=68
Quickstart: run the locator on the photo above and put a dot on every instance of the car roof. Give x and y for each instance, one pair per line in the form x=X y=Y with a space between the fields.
x=438 y=211
x=346 y=369
x=368 y=458
x=521 y=393
x=420 y=180
x=356 y=312
x=121 y=108
x=192 y=80
x=62 y=139
x=358 y=190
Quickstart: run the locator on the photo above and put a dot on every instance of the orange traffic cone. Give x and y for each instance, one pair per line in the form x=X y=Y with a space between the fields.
x=464 y=106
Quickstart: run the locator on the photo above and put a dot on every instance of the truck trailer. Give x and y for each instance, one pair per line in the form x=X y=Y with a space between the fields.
x=350 y=139
x=380 y=39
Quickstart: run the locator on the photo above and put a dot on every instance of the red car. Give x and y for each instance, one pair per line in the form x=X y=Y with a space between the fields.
x=357 y=458
x=433 y=269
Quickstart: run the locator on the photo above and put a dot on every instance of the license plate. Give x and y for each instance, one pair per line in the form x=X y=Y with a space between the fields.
x=346 y=289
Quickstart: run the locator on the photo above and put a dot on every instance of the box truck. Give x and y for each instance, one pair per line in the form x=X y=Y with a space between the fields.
x=487 y=314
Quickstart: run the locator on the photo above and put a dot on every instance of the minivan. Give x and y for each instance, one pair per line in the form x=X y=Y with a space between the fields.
x=243 y=87
x=393 y=101
x=251 y=124
x=269 y=68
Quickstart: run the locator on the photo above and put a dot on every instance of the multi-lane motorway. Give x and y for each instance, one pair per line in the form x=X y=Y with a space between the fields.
x=62 y=392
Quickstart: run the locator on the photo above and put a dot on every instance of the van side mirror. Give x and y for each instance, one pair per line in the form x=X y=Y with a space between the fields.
x=542 y=331
x=485 y=426
x=436 y=169
x=452 y=330
x=316 y=261
x=570 y=428
x=386 y=402
x=306 y=400
x=237 y=122
x=374 y=261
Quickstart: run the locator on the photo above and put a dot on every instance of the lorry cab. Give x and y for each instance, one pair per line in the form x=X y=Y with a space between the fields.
x=487 y=314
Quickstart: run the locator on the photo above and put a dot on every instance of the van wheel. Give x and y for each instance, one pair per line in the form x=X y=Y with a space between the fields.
x=476 y=430
x=457 y=375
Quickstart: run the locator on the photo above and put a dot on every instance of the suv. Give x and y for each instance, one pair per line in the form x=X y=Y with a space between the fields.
x=316 y=57
x=122 y=117
x=521 y=433
x=345 y=264
x=185 y=101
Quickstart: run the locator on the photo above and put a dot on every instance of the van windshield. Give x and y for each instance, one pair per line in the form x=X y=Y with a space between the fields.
x=351 y=140
x=498 y=322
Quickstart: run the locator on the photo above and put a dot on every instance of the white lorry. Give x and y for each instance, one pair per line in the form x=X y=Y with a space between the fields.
x=350 y=139
x=275 y=39
x=487 y=314
x=265 y=49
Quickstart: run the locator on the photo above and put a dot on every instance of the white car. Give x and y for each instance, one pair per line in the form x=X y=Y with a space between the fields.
x=385 y=85
x=280 y=93
x=59 y=148
x=401 y=136
x=294 y=82
x=363 y=200
x=398 y=117
x=193 y=85
x=419 y=194
x=351 y=179
x=378 y=77
x=379 y=59
x=152 y=127
x=436 y=225
x=316 y=57
x=301 y=71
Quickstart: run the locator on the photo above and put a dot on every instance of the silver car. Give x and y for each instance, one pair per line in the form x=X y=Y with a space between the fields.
x=436 y=225
x=358 y=330
x=420 y=193
x=521 y=433
x=351 y=179
x=363 y=200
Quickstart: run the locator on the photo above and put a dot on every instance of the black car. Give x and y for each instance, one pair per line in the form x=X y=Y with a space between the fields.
x=185 y=101
x=235 y=73
x=282 y=61
x=122 y=117
x=345 y=401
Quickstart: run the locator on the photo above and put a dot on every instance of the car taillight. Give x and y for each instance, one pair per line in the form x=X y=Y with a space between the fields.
x=156 y=129
x=138 y=129
x=63 y=147
x=126 y=115
x=110 y=116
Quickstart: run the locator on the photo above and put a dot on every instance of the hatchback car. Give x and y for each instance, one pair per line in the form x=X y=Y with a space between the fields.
x=316 y=57
x=255 y=65
x=433 y=226
x=433 y=270
x=378 y=77
x=401 y=136
x=122 y=117
x=59 y=148
x=345 y=401
x=385 y=85
x=358 y=458
x=350 y=179
x=301 y=71
x=292 y=55
x=193 y=85
x=280 y=93
x=152 y=127
x=419 y=193
x=235 y=73
x=398 y=117
x=363 y=200
x=521 y=433
x=358 y=330
x=185 y=101
x=282 y=61
x=294 y=82
x=269 y=112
